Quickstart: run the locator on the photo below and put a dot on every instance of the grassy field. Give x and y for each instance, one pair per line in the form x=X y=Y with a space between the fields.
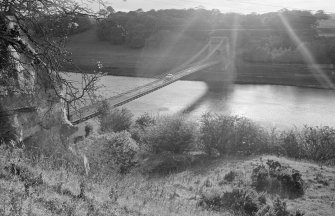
x=174 y=194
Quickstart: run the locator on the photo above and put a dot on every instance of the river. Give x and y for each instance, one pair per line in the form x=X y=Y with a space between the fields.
x=281 y=107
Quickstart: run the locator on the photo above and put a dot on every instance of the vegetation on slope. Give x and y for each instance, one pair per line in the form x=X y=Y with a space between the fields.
x=212 y=167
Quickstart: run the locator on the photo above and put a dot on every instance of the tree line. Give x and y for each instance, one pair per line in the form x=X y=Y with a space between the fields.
x=260 y=37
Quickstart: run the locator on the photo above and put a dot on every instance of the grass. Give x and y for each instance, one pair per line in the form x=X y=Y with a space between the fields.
x=123 y=179
x=175 y=194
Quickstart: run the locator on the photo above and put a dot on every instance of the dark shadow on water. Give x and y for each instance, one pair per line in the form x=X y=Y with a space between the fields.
x=215 y=99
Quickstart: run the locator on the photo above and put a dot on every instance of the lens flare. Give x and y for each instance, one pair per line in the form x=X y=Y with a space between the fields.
x=161 y=58
x=317 y=72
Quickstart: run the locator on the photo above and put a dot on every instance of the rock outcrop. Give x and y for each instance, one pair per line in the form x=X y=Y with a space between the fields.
x=29 y=107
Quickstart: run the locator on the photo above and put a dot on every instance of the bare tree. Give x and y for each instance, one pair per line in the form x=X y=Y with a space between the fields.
x=43 y=52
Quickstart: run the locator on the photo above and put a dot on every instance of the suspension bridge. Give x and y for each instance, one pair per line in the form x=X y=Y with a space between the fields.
x=214 y=55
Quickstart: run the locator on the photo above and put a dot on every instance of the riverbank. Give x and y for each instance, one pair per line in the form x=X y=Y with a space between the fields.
x=300 y=75
x=150 y=61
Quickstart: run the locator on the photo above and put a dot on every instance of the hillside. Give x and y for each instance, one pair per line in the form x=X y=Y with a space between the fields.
x=172 y=51
x=175 y=194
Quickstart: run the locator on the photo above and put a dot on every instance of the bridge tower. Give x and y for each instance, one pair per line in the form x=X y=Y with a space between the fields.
x=222 y=75
x=214 y=43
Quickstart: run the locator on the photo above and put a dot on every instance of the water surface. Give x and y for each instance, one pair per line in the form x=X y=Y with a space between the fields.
x=269 y=105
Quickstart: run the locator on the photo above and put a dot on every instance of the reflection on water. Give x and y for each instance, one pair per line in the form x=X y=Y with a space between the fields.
x=215 y=101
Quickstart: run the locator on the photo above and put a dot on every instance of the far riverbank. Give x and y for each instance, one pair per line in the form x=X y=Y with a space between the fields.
x=300 y=75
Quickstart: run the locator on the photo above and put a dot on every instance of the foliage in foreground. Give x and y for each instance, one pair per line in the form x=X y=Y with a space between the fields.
x=232 y=134
x=107 y=152
x=170 y=137
x=312 y=143
x=114 y=120
x=275 y=178
x=246 y=202
x=173 y=134
x=138 y=195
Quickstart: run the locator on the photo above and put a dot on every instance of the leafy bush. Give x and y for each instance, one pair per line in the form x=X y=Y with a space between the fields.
x=139 y=129
x=318 y=143
x=238 y=201
x=290 y=143
x=230 y=176
x=246 y=202
x=231 y=134
x=278 y=208
x=171 y=134
x=145 y=120
x=114 y=120
x=313 y=143
x=276 y=178
x=111 y=151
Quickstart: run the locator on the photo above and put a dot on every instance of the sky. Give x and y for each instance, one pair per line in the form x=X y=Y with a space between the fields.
x=239 y=6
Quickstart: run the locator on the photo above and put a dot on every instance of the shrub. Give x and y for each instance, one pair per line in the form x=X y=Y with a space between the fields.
x=216 y=131
x=88 y=130
x=171 y=134
x=260 y=177
x=114 y=120
x=145 y=120
x=313 y=143
x=113 y=151
x=276 y=178
x=239 y=201
x=246 y=202
x=317 y=143
x=230 y=176
x=278 y=208
x=231 y=134
x=139 y=129
x=290 y=143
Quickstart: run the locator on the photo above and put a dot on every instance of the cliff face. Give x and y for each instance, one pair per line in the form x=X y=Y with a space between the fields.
x=28 y=103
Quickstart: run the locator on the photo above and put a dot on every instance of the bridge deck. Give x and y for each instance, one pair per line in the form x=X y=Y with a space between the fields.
x=91 y=111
